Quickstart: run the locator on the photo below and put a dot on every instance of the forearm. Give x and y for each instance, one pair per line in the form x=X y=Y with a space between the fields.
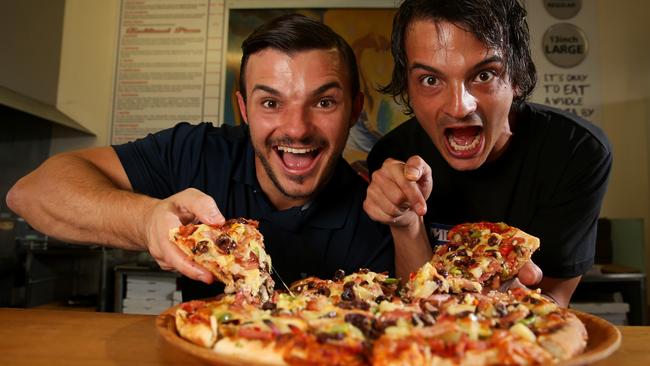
x=70 y=199
x=412 y=248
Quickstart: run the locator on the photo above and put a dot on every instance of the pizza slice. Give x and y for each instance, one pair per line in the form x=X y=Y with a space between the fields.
x=335 y=336
x=461 y=341
x=238 y=331
x=195 y=322
x=555 y=328
x=362 y=290
x=518 y=327
x=485 y=253
x=426 y=282
x=234 y=253
x=286 y=330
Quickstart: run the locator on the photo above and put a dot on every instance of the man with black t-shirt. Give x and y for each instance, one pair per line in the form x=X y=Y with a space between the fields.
x=299 y=95
x=477 y=151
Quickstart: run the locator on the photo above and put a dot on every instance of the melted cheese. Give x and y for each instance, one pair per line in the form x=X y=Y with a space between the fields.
x=523 y=331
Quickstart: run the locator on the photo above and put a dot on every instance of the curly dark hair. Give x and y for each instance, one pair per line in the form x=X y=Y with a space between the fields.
x=500 y=24
x=293 y=33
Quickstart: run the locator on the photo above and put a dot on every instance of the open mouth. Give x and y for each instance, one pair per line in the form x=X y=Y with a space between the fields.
x=297 y=160
x=464 y=142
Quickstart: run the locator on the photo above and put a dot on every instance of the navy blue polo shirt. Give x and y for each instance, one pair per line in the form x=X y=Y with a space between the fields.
x=331 y=232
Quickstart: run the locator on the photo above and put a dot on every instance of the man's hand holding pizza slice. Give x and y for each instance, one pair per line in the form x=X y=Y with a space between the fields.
x=185 y=207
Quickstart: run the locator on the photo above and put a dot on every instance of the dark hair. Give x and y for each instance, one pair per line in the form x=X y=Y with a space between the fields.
x=295 y=32
x=500 y=24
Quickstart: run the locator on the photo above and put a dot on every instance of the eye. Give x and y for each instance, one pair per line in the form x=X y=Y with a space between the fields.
x=326 y=103
x=270 y=103
x=484 y=76
x=429 y=80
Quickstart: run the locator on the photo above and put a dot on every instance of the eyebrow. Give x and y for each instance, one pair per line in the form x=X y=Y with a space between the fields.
x=489 y=60
x=320 y=90
x=265 y=88
x=325 y=87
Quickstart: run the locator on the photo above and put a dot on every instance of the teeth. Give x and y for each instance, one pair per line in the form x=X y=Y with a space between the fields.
x=469 y=146
x=296 y=151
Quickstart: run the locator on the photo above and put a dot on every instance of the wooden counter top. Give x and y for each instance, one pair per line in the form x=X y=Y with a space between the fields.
x=634 y=350
x=51 y=337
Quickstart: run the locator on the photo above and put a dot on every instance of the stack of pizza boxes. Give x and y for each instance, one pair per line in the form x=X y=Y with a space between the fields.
x=148 y=295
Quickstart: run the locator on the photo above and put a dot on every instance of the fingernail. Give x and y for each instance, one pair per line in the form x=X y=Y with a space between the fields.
x=411 y=173
x=420 y=209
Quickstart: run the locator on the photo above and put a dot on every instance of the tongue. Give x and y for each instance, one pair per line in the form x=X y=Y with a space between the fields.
x=464 y=135
x=296 y=161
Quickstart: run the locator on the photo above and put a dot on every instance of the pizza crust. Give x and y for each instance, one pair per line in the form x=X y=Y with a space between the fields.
x=238 y=351
x=568 y=341
x=198 y=333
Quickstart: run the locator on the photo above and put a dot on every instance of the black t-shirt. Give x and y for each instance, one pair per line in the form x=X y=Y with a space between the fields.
x=332 y=232
x=549 y=182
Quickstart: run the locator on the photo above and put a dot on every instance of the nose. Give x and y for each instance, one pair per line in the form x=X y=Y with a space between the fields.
x=460 y=102
x=297 y=122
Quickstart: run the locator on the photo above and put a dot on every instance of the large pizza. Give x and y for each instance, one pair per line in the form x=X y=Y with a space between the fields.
x=449 y=312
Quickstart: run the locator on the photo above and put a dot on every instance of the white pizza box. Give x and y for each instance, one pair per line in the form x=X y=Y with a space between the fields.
x=151 y=282
x=177 y=297
x=150 y=288
x=150 y=279
x=138 y=288
x=613 y=312
x=148 y=302
x=151 y=310
x=141 y=293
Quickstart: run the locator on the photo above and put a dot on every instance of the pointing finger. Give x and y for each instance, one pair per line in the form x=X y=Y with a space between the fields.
x=418 y=172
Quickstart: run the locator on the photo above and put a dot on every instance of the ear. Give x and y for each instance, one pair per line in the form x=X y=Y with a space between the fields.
x=242 y=107
x=357 y=108
x=516 y=90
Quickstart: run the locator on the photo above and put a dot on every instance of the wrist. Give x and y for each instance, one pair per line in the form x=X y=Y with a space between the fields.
x=408 y=224
x=143 y=221
x=550 y=297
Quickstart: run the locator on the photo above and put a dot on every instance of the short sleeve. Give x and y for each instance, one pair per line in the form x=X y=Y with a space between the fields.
x=159 y=164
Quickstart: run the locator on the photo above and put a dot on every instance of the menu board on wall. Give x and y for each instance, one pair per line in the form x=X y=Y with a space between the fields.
x=168 y=65
x=564 y=36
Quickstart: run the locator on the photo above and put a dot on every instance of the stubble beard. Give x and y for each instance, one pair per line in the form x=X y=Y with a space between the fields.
x=276 y=182
x=298 y=179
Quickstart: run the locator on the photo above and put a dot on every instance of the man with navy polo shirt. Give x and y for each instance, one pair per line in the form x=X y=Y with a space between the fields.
x=299 y=95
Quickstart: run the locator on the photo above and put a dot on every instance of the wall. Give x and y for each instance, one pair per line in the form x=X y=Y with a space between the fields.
x=86 y=74
x=24 y=144
x=625 y=62
x=31 y=33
